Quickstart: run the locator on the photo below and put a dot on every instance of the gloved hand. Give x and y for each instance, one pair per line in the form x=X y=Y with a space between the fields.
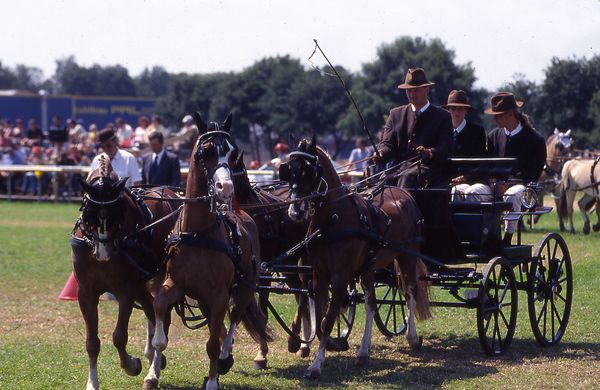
x=377 y=159
x=424 y=153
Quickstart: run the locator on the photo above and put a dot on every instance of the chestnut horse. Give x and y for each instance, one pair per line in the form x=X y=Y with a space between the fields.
x=111 y=253
x=356 y=239
x=213 y=257
x=278 y=233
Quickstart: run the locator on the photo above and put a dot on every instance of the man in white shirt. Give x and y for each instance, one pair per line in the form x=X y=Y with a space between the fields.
x=123 y=162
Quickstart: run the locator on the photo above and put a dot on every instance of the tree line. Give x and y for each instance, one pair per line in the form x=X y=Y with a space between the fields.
x=285 y=96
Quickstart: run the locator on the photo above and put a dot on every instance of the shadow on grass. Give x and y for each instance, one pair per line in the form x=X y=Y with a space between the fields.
x=439 y=361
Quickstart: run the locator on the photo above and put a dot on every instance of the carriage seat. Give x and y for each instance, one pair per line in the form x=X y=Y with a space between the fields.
x=485 y=167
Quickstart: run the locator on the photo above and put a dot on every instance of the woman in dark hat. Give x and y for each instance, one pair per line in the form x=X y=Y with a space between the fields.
x=418 y=129
x=469 y=141
x=515 y=137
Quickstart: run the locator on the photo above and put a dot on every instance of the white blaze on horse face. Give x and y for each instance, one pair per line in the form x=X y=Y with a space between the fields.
x=295 y=212
x=102 y=253
x=222 y=177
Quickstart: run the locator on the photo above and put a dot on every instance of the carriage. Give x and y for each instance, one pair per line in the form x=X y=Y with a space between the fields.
x=458 y=243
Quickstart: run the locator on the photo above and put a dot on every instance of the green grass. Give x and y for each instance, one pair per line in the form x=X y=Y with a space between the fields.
x=42 y=338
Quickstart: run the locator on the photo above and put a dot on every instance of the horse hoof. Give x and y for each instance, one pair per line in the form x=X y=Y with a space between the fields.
x=312 y=375
x=339 y=344
x=204 y=384
x=586 y=229
x=596 y=228
x=224 y=365
x=293 y=344
x=163 y=362
x=416 y=345
x=303 y=352
x=362 y=361
x=150 y=384
x=260 y=364
x=134 y=368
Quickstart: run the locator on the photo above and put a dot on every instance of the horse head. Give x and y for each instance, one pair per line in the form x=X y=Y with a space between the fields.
x=564 y=141
x=103 y=208
x=303 y=172
x=216 y=152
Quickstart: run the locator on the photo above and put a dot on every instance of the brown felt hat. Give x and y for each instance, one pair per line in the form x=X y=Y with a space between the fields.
x=415 y=78
x=106 y=135
x=503 y=102
x=457 y=98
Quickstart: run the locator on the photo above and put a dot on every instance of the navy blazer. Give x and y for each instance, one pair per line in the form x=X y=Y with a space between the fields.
x=167 y=173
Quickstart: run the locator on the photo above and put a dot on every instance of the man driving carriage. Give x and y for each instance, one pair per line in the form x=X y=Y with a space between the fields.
x=417 y=129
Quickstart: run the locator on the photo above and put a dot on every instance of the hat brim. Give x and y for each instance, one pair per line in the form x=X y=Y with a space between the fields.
x=458 y=105
x=489 y=110
x=408 y=86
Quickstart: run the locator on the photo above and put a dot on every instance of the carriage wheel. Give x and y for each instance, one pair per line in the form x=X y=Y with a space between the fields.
x=497 y=307
x=283 y=308
x=390 y=313
x=345 y=320
x=550 y=289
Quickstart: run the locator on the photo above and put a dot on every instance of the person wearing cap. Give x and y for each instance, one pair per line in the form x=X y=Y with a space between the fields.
x=469 y=141
x=515 y=137
x=123 y=163
x=187 y=135
x=418 y=129
x=281 y=151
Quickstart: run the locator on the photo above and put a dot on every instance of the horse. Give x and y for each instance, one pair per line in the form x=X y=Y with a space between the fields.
x=278 y=233
x=579 y=175
x=213 y=257
x=558 y=150
x=113 y=250
x=357 y=237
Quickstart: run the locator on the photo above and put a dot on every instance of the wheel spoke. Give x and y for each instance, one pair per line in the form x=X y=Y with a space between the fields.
x=506 y=287
x=555 y=313
x=504 y=319
x=385 y=297
x=561 y=298
x=394 y=308
x=500 y=342
x=554 y=252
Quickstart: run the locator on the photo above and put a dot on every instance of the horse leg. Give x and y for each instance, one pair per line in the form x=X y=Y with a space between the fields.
x=596 y=226
x=132 y=366
x=410 y=283
x=321 y=293
x=582 y=203
x=367 y=282
x=306 y=327
x=168 y=295
x=155 y=358
x=570 y=198
x=226 y=356
x=213 y=344
x=88 y=304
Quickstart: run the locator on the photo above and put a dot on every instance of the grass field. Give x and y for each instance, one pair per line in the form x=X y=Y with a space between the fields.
x=42 y=338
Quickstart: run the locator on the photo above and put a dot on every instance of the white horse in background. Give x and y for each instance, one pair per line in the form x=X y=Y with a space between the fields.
x=579 y=175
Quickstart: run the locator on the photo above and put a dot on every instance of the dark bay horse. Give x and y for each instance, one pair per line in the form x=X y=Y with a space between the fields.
x=278 y=233
x=355 y=238
x=213 y=257
x=110 y=253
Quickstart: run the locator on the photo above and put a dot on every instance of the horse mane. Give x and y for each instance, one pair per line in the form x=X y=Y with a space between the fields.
x=104 y=169
x=324 y=158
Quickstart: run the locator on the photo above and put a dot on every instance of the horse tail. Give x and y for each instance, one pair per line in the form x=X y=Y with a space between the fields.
x=255 y=322
x=422 y=311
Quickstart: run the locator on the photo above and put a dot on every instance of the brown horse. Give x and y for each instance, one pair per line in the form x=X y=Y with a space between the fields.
x=111 y=254
x=213 y=257
x=356 y=239
x=278 y=233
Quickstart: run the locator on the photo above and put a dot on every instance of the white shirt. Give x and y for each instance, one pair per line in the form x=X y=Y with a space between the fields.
x=158 y=156
x=515 y=131
x=124 y=165
x=422 y=110
x=461 y=126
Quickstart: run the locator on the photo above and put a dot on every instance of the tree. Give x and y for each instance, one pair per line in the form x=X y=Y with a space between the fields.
x=377 y=83
x=22 y=77
x=152 y=82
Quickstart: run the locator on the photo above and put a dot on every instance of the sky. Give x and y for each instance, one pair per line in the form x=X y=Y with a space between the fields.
x=499 y=38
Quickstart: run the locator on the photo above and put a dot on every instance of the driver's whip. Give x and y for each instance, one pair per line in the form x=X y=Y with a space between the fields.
x=348 y=93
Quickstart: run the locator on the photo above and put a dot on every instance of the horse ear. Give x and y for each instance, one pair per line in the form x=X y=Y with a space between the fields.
x=313 y=143
x=202 y=126
x=227 y=123
x=120 y=184
x=87 y=188
x=293 y=140
x=556 y=131
x=568 y=133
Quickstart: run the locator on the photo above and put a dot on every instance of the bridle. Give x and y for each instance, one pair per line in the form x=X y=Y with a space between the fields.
x=318 y=186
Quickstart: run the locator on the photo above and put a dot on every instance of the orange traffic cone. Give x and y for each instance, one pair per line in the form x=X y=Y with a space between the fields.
x=69 y=292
